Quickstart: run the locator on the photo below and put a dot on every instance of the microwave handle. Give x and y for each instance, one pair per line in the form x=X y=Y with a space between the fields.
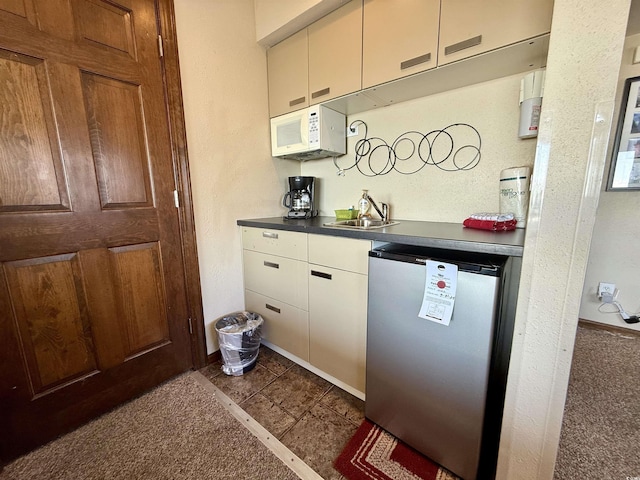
x=284 y=200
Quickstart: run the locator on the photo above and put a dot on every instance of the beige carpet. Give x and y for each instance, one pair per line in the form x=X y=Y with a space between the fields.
x=177 y=431
x=601 y=427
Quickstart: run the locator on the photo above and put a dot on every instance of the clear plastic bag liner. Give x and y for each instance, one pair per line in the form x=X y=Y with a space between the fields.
x=239 y=337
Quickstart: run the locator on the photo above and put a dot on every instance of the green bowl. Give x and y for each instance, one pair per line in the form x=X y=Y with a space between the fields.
x=346 y=214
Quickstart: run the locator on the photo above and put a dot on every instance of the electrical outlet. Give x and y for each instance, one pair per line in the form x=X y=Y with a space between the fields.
x=608 y=288
x=352 y=131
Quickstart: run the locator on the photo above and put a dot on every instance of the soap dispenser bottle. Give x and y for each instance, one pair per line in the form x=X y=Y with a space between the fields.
x=364 y=205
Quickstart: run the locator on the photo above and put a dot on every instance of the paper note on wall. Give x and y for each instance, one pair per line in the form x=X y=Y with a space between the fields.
x=439 y=292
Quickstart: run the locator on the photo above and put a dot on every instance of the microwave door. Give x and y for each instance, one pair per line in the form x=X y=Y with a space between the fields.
x=290 y=134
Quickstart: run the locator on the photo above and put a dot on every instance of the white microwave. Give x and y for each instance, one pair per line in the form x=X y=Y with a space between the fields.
x=310 y=133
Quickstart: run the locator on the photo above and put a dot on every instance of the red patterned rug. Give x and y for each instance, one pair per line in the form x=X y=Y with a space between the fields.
x=373 y=453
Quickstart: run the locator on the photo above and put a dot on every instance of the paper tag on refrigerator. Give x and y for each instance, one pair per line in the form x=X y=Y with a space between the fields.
x=439 y=292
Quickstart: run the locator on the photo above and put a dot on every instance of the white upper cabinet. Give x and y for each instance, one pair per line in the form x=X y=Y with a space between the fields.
x=469 y=27
x=335 y=53
x=288 y=71
x=400 y=38
x=370 y=44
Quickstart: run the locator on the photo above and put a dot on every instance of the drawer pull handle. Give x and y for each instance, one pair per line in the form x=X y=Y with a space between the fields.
x=457 y=47
x=320 y=93
x=269 y=235
x=271 y=264
x=412 y=62
x=272 y=308
x=315 y=273
x=297 y=101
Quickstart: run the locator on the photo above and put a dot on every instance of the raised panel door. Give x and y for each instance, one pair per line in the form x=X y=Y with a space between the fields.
x=52 y=317
x=31 y=170
x=121 y=156
x=92 y=288
x=469 y=28
x=114 y=31
x=399 y=38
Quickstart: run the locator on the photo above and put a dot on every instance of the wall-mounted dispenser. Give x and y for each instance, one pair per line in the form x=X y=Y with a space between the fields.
x=531 y=92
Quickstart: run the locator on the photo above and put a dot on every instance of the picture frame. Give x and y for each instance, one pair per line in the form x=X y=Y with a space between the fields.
x=624 y=172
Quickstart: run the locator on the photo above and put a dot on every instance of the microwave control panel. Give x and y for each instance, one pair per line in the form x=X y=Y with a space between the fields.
x=314 y=129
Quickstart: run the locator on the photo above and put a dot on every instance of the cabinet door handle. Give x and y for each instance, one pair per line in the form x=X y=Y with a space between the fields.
x=269 y=235
x=320 y=93
x=412 y=62
x=272 y=308
x=456 y=47
x=271 y=264
x=297 y=101
x=315 y=273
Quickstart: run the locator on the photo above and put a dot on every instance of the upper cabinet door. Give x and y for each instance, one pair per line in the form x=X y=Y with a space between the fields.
x=288 y=69
x=469 y=27
x=335 y=53
x=400 y=38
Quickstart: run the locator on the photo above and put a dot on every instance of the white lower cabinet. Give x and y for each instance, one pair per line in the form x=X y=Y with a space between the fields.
x=275 y=283
x=338 y=284
x=311 y=291
x=338 y=323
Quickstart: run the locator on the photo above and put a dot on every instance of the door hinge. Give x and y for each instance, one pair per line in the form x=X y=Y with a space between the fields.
x=176 y=198
x=160 y=47
x=190 y=326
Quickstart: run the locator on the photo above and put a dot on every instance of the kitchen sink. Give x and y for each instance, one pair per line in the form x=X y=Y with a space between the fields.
x=361 y=223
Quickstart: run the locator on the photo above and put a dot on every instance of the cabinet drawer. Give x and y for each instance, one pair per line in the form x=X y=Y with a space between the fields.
x=275 y=242
x=284 y=325
x=344 y=253
x=276 y=277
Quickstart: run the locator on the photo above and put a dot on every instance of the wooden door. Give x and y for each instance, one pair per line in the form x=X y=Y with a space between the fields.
x=92 y=291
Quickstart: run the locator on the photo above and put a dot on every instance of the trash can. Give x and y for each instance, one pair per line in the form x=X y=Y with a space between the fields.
x=239 y=336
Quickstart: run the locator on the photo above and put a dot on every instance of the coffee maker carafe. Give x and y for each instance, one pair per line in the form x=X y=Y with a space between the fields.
x=299 y=199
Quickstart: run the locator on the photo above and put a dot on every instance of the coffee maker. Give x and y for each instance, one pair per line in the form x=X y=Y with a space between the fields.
x=299 y=199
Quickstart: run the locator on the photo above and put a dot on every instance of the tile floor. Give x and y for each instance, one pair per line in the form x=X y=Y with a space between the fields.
x=312 y=417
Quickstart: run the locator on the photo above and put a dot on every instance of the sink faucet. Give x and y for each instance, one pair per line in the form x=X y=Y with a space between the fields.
x=384 y=213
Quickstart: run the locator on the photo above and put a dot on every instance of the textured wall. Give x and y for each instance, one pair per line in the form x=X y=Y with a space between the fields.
x=224 y=82
x=584 y=56
x=432 y=194
x=613 y=256
x=233 y=176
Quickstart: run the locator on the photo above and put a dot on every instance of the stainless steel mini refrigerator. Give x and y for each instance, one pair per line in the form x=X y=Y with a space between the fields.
x=428 y=383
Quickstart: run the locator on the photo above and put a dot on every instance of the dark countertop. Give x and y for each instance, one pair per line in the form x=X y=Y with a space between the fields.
x=452 y=236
